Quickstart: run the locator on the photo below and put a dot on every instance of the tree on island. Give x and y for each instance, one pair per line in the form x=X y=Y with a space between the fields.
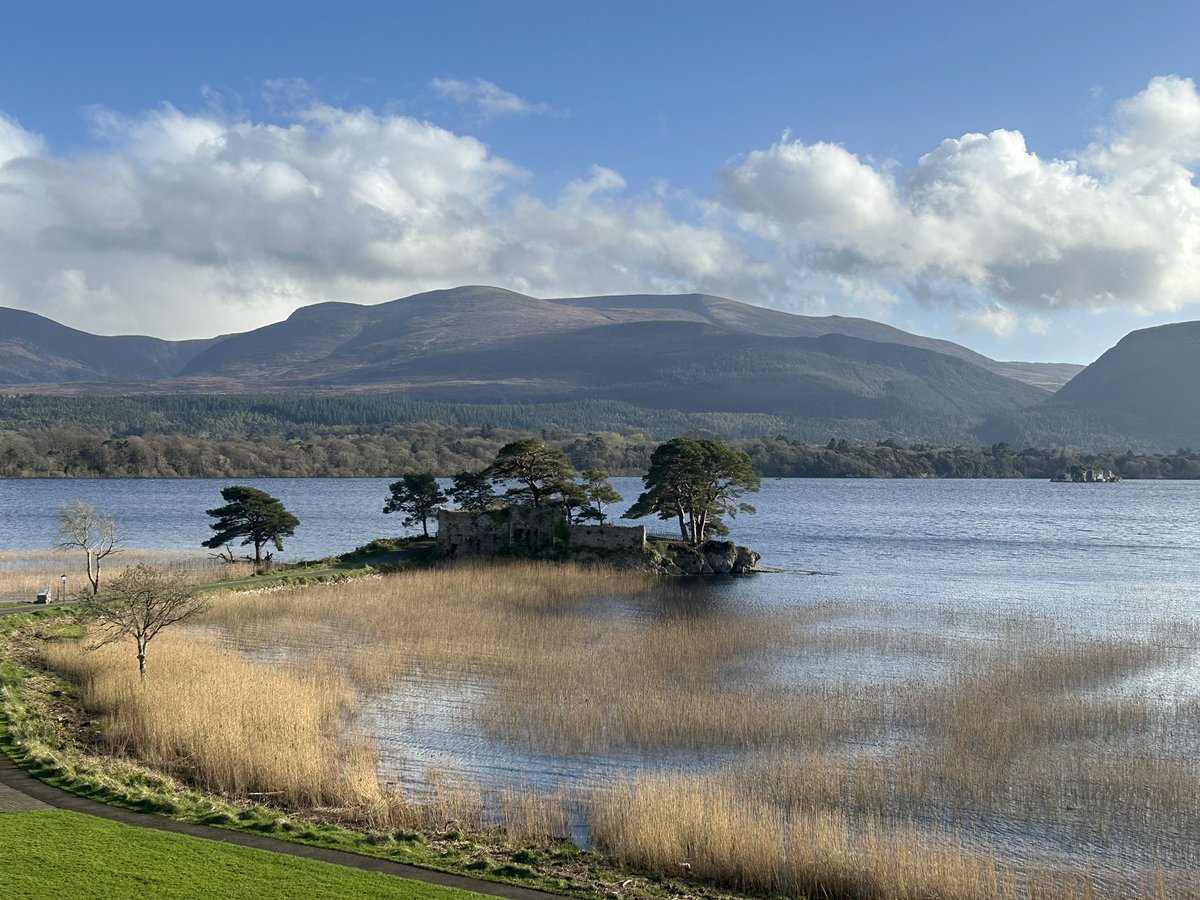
x=696 y=482
x=599 y=494
x=254 y=516
x=473 y=491
x=417 y=494
x=141 y=602
x=83 y=527
x=539 y=470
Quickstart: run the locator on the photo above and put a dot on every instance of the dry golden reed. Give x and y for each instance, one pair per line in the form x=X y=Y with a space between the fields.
x=24 y=573
x=815 y=772
x=712 y=827
x=225 y=723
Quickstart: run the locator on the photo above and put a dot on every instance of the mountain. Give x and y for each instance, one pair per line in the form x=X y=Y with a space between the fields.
x=1142 y=395
x=36 y=350
x=332 y=339
x=689 y=353
x=734 y=316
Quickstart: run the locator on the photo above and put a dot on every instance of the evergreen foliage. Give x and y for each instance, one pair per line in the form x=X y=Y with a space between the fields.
x=539 y=470
x=254 y=516
x=473 y=491
x=698 y=483
x=418 y=495
x=598 y=493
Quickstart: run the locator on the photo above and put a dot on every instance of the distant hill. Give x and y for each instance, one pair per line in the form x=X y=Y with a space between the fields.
x=731 y=315
x=333 y=340
x=37 y=350
x=691 y=353
x=1143 y=395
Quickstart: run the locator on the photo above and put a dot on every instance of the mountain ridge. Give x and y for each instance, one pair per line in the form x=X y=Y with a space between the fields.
x=1141 y=394
x=448 y=318
x=693 y=353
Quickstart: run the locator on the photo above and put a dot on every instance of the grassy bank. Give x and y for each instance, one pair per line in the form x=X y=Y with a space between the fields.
x=67 y=855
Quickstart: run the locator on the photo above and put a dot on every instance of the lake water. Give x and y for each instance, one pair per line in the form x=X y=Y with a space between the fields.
x=1103 y=556
x=963 y=562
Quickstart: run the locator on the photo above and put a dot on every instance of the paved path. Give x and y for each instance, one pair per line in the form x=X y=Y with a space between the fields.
x=21 y=792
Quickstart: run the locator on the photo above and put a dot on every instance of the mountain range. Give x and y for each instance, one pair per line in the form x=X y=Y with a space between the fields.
x=690 y=353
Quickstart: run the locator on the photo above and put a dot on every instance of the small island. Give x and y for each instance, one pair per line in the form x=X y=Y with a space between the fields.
x=1086 y=475
x=548 y=515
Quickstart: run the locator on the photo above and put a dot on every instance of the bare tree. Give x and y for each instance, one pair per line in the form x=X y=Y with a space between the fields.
x=143 y=601
x=83 y=527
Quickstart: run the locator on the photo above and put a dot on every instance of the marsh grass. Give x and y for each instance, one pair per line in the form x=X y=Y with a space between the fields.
x=835 y=782
x=24 y=573
x=226 y=724
x=735 y=838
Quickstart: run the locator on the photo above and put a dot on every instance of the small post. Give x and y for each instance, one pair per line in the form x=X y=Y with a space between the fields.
x=62 y=588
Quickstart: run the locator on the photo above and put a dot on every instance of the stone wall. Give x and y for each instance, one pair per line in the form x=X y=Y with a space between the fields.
x=508 y=530
x=518 y=529
x=609 y=537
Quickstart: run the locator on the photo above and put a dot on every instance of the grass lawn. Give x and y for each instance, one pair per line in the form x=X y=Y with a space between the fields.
x=64 y=854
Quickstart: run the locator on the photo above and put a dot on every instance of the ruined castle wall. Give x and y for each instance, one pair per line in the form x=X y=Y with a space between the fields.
x=518 y=529
x=609 y=537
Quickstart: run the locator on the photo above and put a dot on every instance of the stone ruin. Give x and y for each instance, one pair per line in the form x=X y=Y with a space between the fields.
x=522 y=529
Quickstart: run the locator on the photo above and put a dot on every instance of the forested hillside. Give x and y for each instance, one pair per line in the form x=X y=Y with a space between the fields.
x=444 y=449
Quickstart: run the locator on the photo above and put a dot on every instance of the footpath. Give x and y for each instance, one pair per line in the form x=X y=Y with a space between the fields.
x=21 y=792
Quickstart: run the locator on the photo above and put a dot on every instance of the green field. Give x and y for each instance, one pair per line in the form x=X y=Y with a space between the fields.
x=64 y=854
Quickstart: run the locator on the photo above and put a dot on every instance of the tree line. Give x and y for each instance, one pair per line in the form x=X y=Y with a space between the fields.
x=890 y=459
x=78 y=452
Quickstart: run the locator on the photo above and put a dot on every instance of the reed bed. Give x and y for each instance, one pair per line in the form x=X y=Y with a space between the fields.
x=799 y=771
x=225 y=724
x=714 y=828
x=24 y=573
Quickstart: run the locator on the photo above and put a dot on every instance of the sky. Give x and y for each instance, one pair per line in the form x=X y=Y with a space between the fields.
x=1020 y=179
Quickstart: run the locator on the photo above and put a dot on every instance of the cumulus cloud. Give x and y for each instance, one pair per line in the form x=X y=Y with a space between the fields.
x=991 y=318
x=486 y=98
x=15 y=141
x=185 y=224
x=983 y=220
x=189 y=224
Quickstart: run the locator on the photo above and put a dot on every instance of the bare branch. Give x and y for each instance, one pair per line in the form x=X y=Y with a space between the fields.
x=144 y=600
x=83 y=527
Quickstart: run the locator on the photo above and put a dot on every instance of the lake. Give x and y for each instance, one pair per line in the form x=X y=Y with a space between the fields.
x=914 y=602
x=1103 y=556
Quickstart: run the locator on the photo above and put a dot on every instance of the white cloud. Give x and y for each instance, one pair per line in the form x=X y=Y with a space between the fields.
x=599 y=181
x=991 y=319
x=487 y=98
x=16 y=142
x=984 y=215
x=184 y=225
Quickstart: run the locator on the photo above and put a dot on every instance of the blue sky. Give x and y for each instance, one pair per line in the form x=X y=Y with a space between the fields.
x=1018 y=179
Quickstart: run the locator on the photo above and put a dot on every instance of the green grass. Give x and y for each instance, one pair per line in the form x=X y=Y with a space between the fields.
x=381 y=555
x=64 y=854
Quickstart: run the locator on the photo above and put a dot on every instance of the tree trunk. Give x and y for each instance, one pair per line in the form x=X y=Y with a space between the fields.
x=682 y=525
x=93 y=571
x=425 y=526
x=258 y=558
x=142 y=663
